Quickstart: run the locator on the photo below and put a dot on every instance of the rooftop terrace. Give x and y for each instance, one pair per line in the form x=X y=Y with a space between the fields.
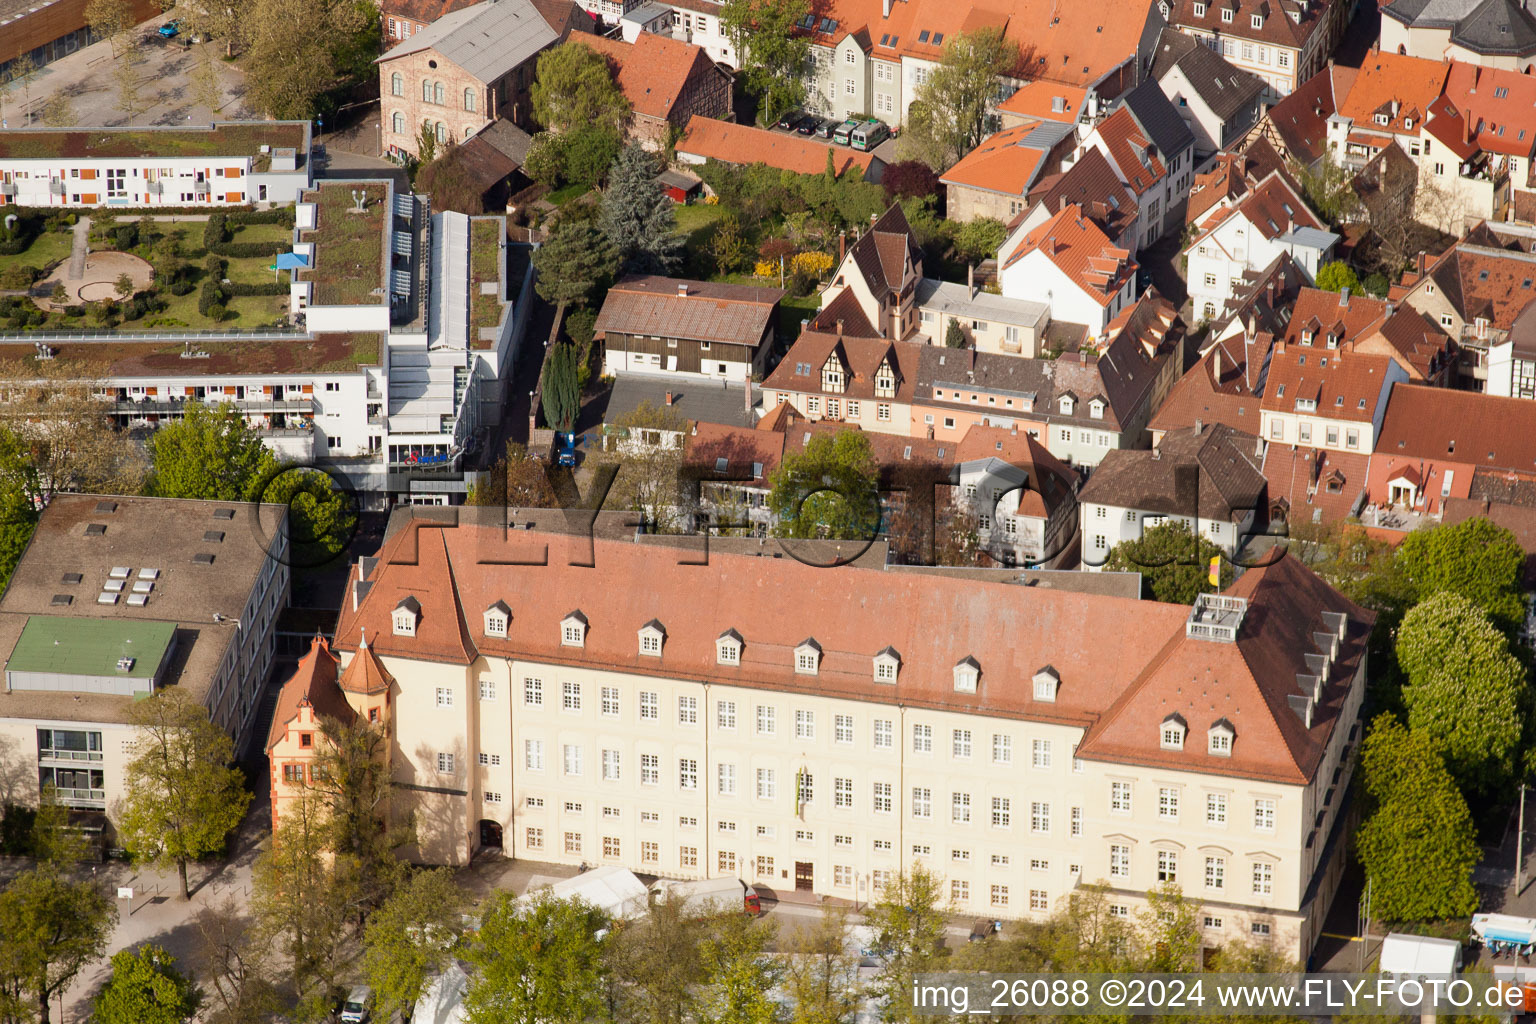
x=164 y=357
x=486 y=238
x=349 y=262
x=243 y=138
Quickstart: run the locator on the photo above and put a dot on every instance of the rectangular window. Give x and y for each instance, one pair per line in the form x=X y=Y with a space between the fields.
x=765 y=867
x=445 y=697
x=490 y=760
x=1168 y=803
x=1167 y=866
x=1039 y=817
x=959 y=891
x=533 y=755
x=842 y=793
x=842 y=728
x=922 y=739
x=725 y=862
x=610 y=765
x=960 y=743
x=960 y=808
x=766 y=726
x=1002 y=749
x=884 y=734
x=1120 y=797
x=687 y=711
x=882 y=797
x=533 y=693
x=1216 y=809
x=922 y=802
x=1038 y=900
x=766 y=788
x=533 y=838
x=725 y=714
x=650 y=853
x=572 y=759
x=1263 y=878
x=1002 y=812
x=570 y=696
x=687 y=773
x=573 y=842
x=650 y=769
x=1076 y=817
x=445 y=764
x=687 y=856
x=487 y=689
x=1119 y=861
x=1215 y=872
x=611 y=846
x=842 y=876
x=1264 y=815
x=650 y=705
x=610 y=702
x=805 y=725
x=1040 y=753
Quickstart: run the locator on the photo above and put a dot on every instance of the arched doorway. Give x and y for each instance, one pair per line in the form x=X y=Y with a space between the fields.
x=490 y=833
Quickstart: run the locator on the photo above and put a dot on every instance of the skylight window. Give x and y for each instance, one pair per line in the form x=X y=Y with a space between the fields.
x=938 y=37
x=922 y=36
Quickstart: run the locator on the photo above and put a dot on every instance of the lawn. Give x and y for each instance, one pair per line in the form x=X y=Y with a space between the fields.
x=261 y=233
x=699 y=215
x=252 y=270
x=561 y=196
x=247 y=312
x=47 y=248
x=793 y=309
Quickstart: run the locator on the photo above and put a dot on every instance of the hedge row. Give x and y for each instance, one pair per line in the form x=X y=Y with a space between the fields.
x=265 y=288
x=212 y=295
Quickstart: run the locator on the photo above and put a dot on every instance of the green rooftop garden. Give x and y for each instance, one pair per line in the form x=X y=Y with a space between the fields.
x=485 y=238
x=349 y=246
x=221 y=140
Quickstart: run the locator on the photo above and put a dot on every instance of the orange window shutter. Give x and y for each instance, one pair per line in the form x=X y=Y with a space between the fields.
x=89 y=173
x=88 y=197
x=232 y=172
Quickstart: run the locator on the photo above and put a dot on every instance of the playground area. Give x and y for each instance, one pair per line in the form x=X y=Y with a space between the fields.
x=97 y=280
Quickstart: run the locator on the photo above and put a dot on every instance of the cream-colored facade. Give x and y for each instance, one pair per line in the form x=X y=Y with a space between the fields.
x=687 y=779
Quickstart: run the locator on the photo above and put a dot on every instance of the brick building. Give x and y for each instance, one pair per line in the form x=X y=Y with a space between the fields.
x=463 y=71
x=666 y=82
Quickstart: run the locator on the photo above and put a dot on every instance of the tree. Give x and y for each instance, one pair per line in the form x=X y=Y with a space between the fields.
x=296 y=899
x=1418 y=845
x=727 y=246
x=954 y=335
x=518 y=480
x=574 y=86
x=572 y=262
x=211 y=454
x=1475 y=558
x=1170 y=929
x=1329 y=189
x=297 y=49
x=24 y=70
x=588 y=153
x=1465 y=690
x=979 y=239
x=656 y=962
x=830 y=490
x=232 y=957
x=57 y=112
x=125 y=75
x=909 y=179
x=1173 y=562
x=537 y=961
x=822 y=976
x=1336 y=276
x=772 y=54
x=20 y=498
x=183 y=796
x=63 y=438
x=123 y=285
x=207 y=90
x=560 y=392
x=54 y=843
x=952 y=117
x=53 y=929
x=639 y=219
x=412 y=937
x=146 y=988
x=111 y=20
x=322 y=519
x=426 y=144
x=448 y=181
x=737 y=974
x=908 y=921
x=650 y=463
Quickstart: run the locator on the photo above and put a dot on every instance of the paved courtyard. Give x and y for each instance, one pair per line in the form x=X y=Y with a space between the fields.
x=165 y=74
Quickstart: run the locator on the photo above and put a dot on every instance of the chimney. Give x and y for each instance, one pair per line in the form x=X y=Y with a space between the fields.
x=1344 y=296
x=842 y=246
x=1269 y=293
x=682 y=290
x=1216 y=364
x=362 y=644
x=1063 y=203
x=669 y=398
x=970 y=281
x=839 y=327
x=872 y=218
x=1050 y=246
x=885 y=8
x=1199 y=424
x=747 y=406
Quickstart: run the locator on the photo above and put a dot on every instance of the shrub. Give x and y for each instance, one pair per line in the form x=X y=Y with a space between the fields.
x=217 y=312
x=212 y=296
x=75 y=311
x=126 y=236
x=182 y=286
x=215 y=266
x=246 y=250
x=18 y=276
x=265 y=288
x=215 y=232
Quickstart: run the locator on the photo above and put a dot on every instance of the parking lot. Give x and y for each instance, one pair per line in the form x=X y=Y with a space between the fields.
x=886 y=151
x=164 y=69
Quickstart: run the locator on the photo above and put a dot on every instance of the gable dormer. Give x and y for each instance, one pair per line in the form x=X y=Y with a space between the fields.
x=573 y=630
x=808 y=657
x=834 y=373
x=497 y=618
x=1046 y=682
x=887 y=666
x=1096 y=408
x=1172 y=732
x=1066 y=403
x=728 y=646
x=652 y=635
x=885 y=379
x=405 y=616
x=1220 y=738
x=967 y=674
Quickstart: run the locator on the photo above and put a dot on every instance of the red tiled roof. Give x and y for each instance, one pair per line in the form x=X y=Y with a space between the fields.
x=934 y=622
x=1301 y=119
x=365 y=674
x=1283 y=22
x=1346 y=385
x=1498 y=104
x=1315 y=485
x=743 y=144
x=860 y=358
x=1040 y=99
x=313 y=683
x=1140 y=165
x=1465 y=426
x=1081 y=251
x=1231 y=176
x=743 y=449
x=652 y=70
x=1397 y=87
x=1090 y=183
x=1000 y=163
x=732 y=314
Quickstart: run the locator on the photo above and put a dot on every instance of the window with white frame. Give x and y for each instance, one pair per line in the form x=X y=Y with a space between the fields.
x=496 y=618
x=725 y=779
x=960 y=808
x=1040 y=753
x=1040 y=817
x=533 y=755
x=842 y=728
x=1220 y=740
x=766 y=786
x=1264 y=815
x=570 y=696
x=960 y=743
x=687 y=711
x=650 y=705
x=922 y=739
x=725 y=714
x=533 y=692
x=650 y=771
x=1263 y=878
x=571 y=758
x=650 y=639
x=1167 y=865
x=805 y=724
x=1119 y=861
x=1075 y=818
x=842 y=793
x=807 y=658
x=487 y=689
x=967 y=673
x=728 y=650
x=610 y=765
x=445 y=764
x=573 y=631
x=1120 y=797
x=766 y=724
x=1002 y=812
x=1216 y=809
x=1002 y=748
x=887 y=665
x=884 y=734
x=1215 y=873
x=445 y=696
x=1172 y=734
x=882 y=797
x=610 y=701
x=922 y=802
x=1168 y=803
x=687 y=773
x=959 y=890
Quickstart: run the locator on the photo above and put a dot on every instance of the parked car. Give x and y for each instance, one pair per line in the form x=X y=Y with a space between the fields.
x=170 y=30
x=565 y=449
x=358 y=1008
x=826 y=127
x=868 y=135
x=841 y=133
x=790 y=120
x=809 y=126
x=985 y=929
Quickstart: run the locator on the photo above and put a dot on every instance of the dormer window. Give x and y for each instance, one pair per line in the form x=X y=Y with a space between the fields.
x=885 y=381
x=1199 y=10
x=497 y=617
x=651 y=636
x=1096 y=409
x=832 y=376
x=406 y=614
x=1383 y=120
x=1047 y=682
x=967 y=674
x=1408 y=123
x=1226 y=15
x=808 y=658
x=1171 y=734
x=1306 y=337
x=573 y=630
x=1065 y=405
x=728 y=648
x=887 y=665
x=1219 y=739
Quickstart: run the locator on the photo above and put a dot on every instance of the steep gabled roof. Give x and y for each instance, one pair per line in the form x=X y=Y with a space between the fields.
x=1226 y=90
x=1225 y=471
x=653 y=70
x=1091 y=184
x=313 y=683
x=1159 y=119
x=1009 y=161
x=800 y=369
x=487 y=40
x=887 y=254
x=1080 y=251
x=441 y=633
x=1395 y=87
x=1487 y=431
x=1137 y=161
x=1301 y=119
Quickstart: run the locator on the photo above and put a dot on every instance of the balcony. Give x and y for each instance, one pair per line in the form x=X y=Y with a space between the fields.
x=55 y=186
x=68 y=755
x=174 y=406
x=203 y=188
x=91 y=798
x=154 y=188
x=7 y=188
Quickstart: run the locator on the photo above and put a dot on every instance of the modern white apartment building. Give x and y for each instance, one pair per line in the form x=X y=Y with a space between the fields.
x=404 y=327
x=226 y=164
x=585 y=700
x=116 y=598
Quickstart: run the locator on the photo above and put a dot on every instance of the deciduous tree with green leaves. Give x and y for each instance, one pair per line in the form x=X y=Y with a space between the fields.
x=53 y=929
x=574 y=87
x=297 y=899
x=772 y=54
x=537 y=960
x=210 y=454
x=1174 y=564
x=949 y=117
x=908 y=921
x=1336 y=276
x=183 y=796
x=822 y=975
x=146 y=987
x=1417 y=844
x=737 y=974
x=830 y=490
x=640 y=219
x=1464 y=689
x=412 y=937
x=656 y=962
x=1475 y=558
x=321 y=518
